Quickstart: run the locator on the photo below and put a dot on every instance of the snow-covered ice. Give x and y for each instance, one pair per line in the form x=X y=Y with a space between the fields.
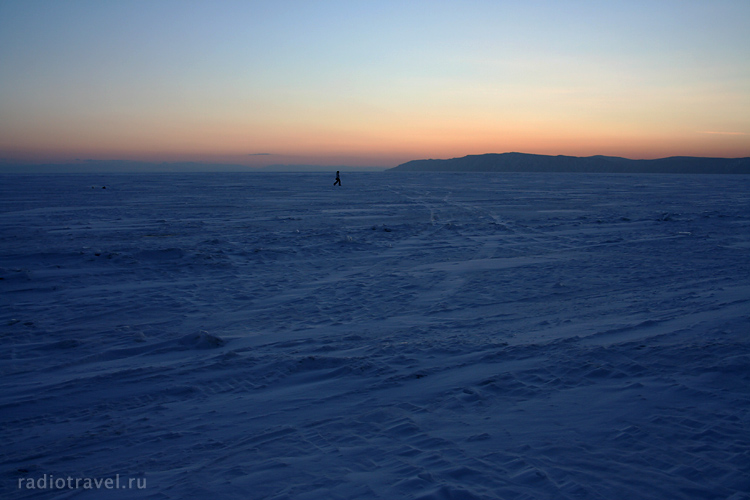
x=424 y=336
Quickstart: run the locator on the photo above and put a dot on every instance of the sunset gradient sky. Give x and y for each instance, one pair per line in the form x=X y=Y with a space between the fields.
x=371 y=83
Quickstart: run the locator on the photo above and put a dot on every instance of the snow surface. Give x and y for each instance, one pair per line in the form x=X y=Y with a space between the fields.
x=431 y=336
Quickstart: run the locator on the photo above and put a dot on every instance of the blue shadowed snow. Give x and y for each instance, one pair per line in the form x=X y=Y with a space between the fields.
x=403 y=336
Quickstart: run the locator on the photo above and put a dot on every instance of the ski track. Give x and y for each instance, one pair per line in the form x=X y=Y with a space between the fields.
x=406 y=336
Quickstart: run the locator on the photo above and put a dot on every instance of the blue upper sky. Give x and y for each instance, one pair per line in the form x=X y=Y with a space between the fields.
x=372 y=82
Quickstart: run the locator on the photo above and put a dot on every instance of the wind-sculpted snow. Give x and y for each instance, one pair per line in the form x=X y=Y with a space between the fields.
x=266 y=336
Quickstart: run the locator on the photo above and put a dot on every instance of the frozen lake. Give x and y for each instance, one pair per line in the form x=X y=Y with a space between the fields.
x=269 y=336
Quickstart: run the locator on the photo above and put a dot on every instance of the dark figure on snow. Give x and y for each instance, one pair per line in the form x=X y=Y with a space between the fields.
x=338 y=179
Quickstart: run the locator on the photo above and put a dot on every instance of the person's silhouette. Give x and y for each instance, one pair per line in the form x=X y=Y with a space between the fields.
x=338 y=179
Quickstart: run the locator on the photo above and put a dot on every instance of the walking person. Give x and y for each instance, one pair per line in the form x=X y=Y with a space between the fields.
x=338 y=179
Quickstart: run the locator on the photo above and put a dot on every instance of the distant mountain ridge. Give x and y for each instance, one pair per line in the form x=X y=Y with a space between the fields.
x=523 y=162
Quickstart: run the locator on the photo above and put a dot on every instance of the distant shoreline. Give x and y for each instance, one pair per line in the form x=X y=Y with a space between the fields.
x=490 y=162
x=134 y=167
x=522 y=162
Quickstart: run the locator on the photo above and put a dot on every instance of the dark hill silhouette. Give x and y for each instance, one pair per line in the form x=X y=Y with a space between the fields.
x=522 y=162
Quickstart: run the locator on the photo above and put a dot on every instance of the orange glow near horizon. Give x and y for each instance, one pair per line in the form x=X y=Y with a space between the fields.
x=385 y=148
x=372 y=84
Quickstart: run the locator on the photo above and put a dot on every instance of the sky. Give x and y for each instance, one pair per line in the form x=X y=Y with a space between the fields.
x=371 y=83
